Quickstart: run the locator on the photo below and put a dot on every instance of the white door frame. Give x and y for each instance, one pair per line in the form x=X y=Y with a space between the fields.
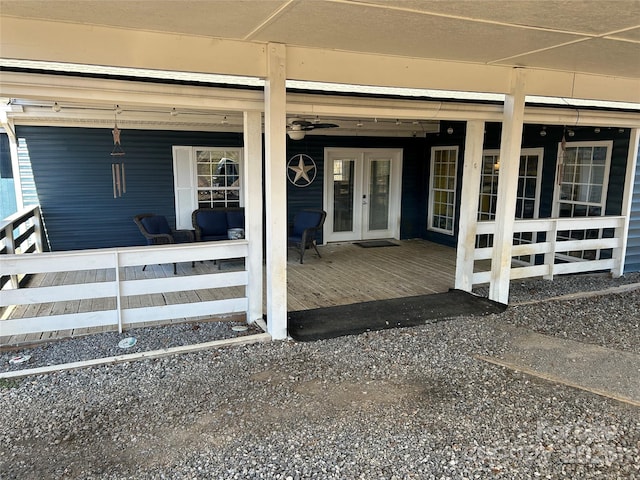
x=360 y=155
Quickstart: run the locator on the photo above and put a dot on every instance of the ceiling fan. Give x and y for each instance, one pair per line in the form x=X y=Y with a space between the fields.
x=297 y=127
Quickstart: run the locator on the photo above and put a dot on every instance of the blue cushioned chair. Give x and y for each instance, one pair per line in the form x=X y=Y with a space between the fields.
x=211 y=224
x=157 y=231
x=306 y=224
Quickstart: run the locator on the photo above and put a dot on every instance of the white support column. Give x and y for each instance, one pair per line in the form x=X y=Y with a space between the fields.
x=252 y=182
x=471 y=170
x=632 y=160
x=276 y=190
x=510 y=147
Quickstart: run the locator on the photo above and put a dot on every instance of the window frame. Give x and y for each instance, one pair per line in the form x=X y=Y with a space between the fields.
x=447 y=191
x=225 y=201
x=579 y=255
x=605 y=181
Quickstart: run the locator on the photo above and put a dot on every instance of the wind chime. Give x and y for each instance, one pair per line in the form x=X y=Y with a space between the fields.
x=117 y=169
x=563 y=150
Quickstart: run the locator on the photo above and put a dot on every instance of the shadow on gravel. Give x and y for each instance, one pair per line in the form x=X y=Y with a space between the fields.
x=331 y=322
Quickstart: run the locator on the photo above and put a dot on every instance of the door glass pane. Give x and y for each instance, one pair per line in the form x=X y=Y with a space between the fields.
x=379 y=194
x=343 y=192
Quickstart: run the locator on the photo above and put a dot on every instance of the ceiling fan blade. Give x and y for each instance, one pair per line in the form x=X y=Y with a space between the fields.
x=302 y=123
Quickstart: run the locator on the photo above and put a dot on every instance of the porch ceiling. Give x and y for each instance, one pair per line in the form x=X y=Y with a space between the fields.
x=587 y=36
x=367 y=39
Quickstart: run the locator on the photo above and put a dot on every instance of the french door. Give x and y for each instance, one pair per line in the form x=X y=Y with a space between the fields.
x=362 y=194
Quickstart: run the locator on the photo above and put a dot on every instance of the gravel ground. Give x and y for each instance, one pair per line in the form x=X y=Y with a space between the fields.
x=101 y=345
x=409 y=403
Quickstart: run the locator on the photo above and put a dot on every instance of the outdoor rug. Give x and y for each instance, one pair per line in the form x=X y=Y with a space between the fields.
x=331 y=322
x=376 y=243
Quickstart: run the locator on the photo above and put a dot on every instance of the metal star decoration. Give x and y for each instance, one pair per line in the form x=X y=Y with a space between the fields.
x=301 y=170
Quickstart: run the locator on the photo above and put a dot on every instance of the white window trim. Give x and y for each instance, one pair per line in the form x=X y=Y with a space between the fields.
x=430 y=225
x=605 y=181
x=539 y=151
x=185 y=180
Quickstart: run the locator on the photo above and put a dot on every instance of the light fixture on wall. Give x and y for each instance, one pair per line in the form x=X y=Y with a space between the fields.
x=596 y=130
x=450 y=130
x=173 y=112
x=359 y=123
x=543 y=132
x=571 y=133
x=56 y=108
x=118 y=110
x=225 y=121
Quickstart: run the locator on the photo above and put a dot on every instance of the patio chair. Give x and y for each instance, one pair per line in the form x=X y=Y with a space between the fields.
x=156 y=230
x=306 y=224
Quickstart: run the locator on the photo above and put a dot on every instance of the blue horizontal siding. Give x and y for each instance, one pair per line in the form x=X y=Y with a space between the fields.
x=72 y=173
x=632 y=259
x=413 y=204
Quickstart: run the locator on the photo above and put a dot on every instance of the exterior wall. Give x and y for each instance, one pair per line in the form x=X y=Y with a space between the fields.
x=72 y=172
x=8 y=204
x=632 y=260
x=414 y=179
x=533 y=139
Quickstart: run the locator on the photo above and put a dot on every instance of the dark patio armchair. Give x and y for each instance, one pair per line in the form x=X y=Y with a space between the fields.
x=306 y=224
x=157 y=231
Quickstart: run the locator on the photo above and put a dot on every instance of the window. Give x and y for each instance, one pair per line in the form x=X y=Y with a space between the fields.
x=527 y=196
x=218 y=174
x=583 y=175
x=444 y=162
x=205 y=177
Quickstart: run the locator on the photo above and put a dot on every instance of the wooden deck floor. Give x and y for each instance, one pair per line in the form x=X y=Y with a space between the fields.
x=346 y=273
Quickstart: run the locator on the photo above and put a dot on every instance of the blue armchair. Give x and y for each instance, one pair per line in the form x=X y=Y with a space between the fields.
x=157 y=231
x=306 y=224
x=211 y=224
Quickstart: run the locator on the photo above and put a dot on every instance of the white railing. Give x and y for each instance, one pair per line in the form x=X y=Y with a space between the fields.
x=20 y=233
x=552 y=247
x=114 y=261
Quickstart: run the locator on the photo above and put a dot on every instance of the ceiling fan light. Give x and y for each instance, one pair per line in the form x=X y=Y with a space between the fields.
x=296 y=134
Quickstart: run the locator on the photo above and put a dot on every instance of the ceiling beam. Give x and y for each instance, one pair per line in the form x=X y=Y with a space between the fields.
x=97 y=99
x=109 y=92
x=89 y=44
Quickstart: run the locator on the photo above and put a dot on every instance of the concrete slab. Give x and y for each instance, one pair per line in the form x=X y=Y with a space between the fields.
x=604 y=371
